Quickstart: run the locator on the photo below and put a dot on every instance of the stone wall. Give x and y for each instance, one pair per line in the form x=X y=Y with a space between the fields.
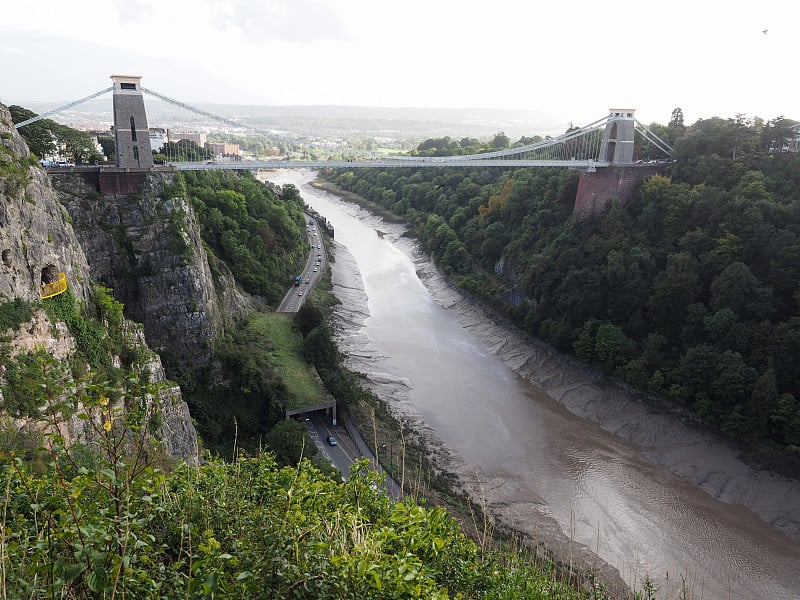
x=596 y=189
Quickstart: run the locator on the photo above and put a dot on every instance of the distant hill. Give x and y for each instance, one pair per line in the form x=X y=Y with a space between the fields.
x=330 y=121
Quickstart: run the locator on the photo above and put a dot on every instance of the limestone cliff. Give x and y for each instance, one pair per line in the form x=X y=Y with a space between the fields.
x=146 y=245
x=37 y=242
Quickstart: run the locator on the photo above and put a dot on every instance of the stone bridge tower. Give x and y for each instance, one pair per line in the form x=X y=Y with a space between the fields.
x=617 y=146
x=131 y=135
x=622 y=178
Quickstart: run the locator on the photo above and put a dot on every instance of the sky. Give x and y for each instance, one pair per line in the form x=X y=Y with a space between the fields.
x=570 y=59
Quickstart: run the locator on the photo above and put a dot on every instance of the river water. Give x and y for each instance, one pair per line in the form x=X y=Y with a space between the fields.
x=563 y=456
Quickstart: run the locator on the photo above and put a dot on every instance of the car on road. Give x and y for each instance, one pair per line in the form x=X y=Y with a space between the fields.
x=315 y=269
x=331 y=440
x=299 y=293
x=308 y=281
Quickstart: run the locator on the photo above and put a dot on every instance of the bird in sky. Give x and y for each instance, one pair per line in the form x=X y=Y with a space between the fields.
x=764 y=31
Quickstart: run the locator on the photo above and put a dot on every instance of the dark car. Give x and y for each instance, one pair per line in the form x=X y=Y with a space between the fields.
x=332 y=440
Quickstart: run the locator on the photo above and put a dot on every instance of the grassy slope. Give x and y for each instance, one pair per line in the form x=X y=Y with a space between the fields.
x=301 y=379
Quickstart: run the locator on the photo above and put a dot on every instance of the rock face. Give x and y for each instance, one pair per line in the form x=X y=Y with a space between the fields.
x=35 y=236
x=147 y=247
x=37 y=240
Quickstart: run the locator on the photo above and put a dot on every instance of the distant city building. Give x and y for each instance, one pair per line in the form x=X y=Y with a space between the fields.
x=793 y=142
x=95 y=135
x=158 y=137
x=198 y=138
x=224 y=149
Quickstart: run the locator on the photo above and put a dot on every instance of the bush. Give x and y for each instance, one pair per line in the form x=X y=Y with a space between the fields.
x=15 y=313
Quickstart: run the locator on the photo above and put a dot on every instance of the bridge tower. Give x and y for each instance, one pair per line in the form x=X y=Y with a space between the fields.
x=131 y=134
x=617 y=145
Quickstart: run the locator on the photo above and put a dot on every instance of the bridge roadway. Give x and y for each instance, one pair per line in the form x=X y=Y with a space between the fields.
x=382 y=164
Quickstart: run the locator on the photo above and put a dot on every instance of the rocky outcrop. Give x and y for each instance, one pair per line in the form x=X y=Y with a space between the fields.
x=147 y=247
x=37 y=240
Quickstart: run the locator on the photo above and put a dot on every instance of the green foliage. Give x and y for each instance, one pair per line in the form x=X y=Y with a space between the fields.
x=110 y=309
x=247 y=401
x=37 y=135
x=320 y=349
x=102 y=520
x=290 y=442
x=308 y=317
x=46 y=136
x=89 y=335
x=14 y=313
x=186 y=151
x=259 y=235
x=23 y=375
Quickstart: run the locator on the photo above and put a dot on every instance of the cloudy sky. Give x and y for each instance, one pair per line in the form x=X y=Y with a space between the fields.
x=572 y=59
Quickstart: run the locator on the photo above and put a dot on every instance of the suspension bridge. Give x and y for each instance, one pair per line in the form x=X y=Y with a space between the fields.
x=607 y=141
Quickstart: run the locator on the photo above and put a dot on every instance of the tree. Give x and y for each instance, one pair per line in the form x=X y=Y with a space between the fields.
x=109 y=146
x=290 y=442
x=675 y=288
x=308 y=317
x=676 y=120
x=77 y=145
x=738 y=289
x=604 y=344
x=39 y=135
x=501 y=140
x=320 y=349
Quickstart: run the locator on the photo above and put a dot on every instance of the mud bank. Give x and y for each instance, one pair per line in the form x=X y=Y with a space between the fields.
x=665 y=435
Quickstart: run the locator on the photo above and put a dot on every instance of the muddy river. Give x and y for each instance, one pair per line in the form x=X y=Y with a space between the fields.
x=558 y=453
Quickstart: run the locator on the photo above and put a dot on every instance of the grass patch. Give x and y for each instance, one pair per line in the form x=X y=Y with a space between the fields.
x=303 y=385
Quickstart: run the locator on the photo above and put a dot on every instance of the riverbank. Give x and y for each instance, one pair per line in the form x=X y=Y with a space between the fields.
x=673 y=434
x=663 y=435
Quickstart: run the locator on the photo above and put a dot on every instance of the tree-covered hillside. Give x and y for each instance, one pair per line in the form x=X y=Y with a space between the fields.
x=689 y=292
x=259 y=234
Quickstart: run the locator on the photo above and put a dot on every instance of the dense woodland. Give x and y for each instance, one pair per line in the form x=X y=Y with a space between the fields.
x=690 y=292
x=259 y=234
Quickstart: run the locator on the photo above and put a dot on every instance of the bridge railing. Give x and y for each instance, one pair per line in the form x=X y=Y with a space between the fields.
x=54 y=288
